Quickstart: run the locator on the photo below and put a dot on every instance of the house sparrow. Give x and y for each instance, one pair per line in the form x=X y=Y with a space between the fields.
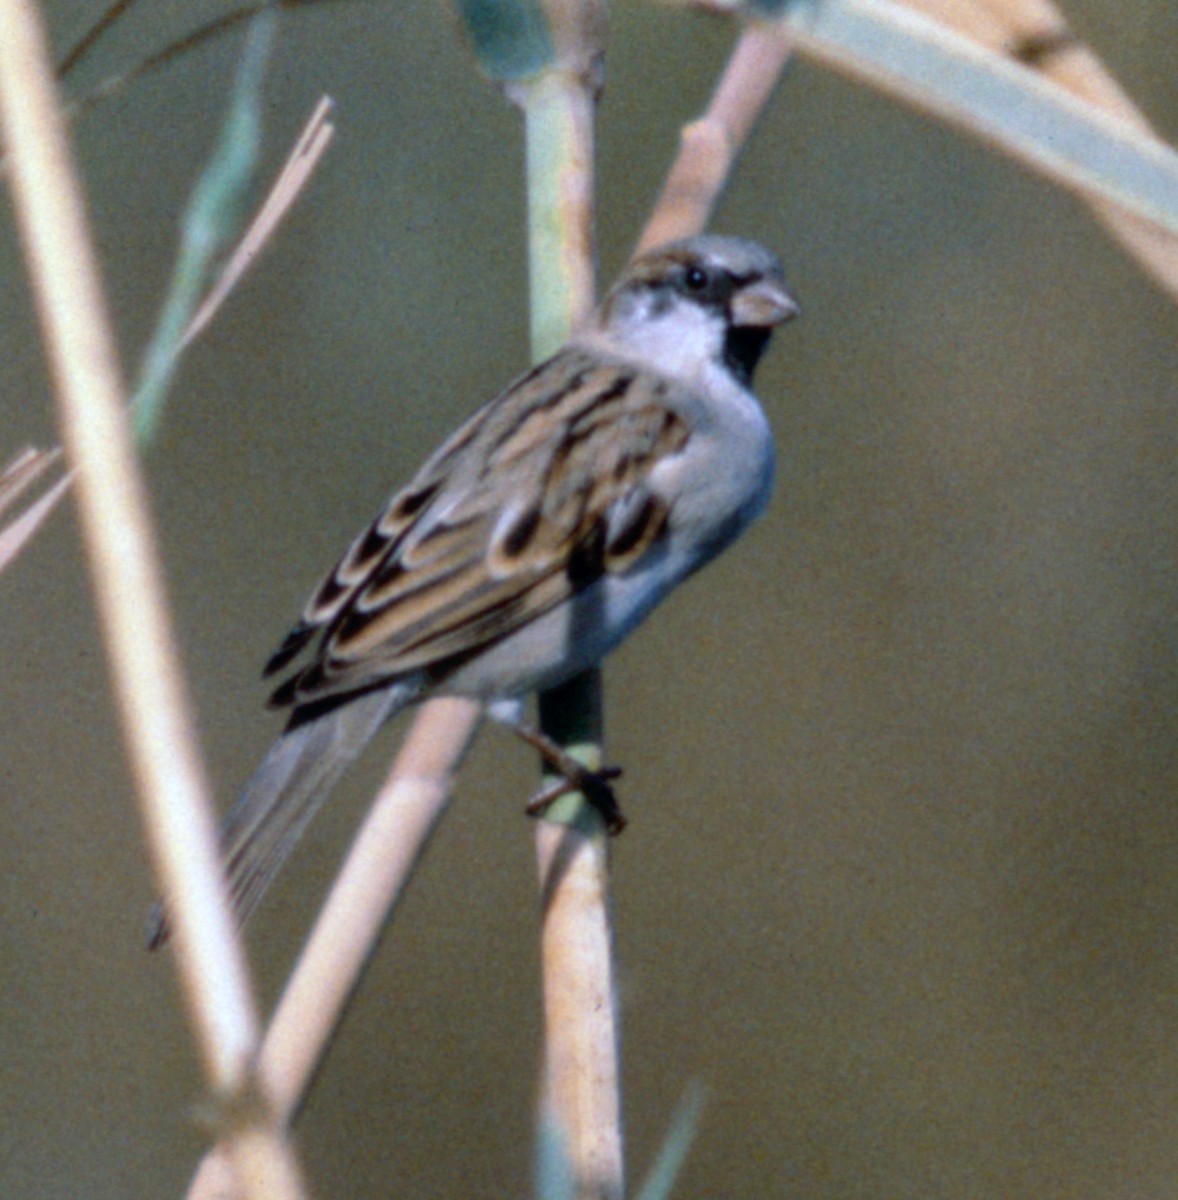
x=537 y=536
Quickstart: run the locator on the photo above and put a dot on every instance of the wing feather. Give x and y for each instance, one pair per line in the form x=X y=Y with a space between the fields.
x=457 y=561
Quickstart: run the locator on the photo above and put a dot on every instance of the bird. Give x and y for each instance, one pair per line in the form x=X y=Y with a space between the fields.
x=534 y=539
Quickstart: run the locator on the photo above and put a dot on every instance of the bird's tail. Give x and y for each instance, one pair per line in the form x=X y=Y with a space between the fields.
x=286 y=791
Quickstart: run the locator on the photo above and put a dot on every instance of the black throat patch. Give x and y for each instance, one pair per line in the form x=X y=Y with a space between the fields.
x=743 y=348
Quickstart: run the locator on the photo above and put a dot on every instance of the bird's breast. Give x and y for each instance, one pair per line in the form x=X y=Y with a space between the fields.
x=723 y=477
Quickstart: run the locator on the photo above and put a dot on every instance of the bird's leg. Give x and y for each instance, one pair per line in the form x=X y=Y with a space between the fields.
x=576 y=777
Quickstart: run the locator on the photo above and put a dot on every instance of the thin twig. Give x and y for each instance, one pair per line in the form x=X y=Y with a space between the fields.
x=24 y=470
x=18 y=477
x=203 y=34
x=82 y=47
x=710 y=146
x=155 y=712
x=296 y=171
x=301 y=162
x=16 y=535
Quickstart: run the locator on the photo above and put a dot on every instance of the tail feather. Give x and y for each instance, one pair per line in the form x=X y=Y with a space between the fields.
x=286 y=791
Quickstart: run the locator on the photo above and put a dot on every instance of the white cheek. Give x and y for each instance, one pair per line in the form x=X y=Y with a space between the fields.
x=681 y=341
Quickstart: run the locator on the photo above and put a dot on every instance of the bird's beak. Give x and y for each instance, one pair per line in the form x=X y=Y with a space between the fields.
x=763 y=304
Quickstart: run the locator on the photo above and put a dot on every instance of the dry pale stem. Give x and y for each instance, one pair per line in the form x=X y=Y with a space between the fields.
x=708 y=147
x=388 y=847
x=1036 y=32
x=580 y=1007
x=135 y=624
x=582 y=1093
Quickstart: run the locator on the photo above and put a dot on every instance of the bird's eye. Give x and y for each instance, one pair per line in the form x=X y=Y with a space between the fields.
x=696 y=279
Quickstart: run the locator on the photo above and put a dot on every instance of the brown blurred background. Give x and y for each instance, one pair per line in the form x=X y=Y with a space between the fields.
x=901 y=882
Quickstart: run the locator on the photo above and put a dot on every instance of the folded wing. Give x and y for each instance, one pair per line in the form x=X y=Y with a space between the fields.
x=537 y=496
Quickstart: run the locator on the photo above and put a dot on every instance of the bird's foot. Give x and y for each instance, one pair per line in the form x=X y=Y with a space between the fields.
x=575 y=776
x=593 y=785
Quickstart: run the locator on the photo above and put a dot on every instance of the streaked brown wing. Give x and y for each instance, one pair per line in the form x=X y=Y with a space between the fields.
x=531 y=500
